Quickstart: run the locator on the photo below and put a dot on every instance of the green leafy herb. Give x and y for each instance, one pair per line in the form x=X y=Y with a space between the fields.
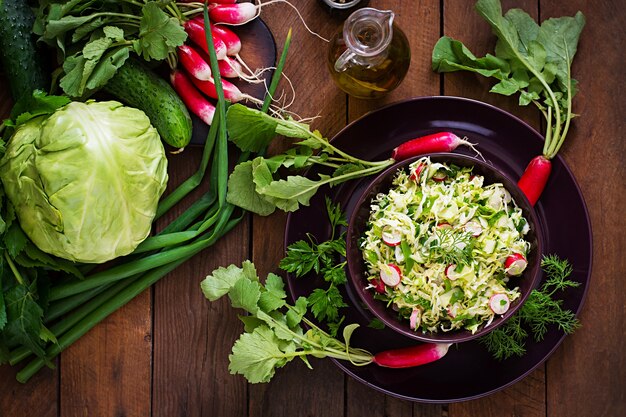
x=540 y=311
x=451 y=247
x=94 y=41
x=532 y=60
x=259 y=180
x=273 y=334
x=324 y=259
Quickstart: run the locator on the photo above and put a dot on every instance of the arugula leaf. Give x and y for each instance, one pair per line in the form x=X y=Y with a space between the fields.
x=242 y=191
x=274 y=295
x=223 y=280
x=531 y=60
x=159 y=33
x=256 y=355
x=271 y=340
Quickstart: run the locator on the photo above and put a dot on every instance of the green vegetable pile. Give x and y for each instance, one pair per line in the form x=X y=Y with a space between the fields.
x=47 y=302
x=534 y=61
x=96 y=38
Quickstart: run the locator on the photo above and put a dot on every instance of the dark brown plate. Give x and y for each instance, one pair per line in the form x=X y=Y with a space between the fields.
x=258 y=50
x=468 y=371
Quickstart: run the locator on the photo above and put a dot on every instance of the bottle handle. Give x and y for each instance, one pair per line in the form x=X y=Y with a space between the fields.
x=343 y=62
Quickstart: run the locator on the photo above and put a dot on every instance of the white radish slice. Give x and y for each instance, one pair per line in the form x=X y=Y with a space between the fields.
x=390 y=274
x=414 y=320
x=391 y=236
x=499 y=303
x=515 y=264
x=473 y=227
x=451 y=272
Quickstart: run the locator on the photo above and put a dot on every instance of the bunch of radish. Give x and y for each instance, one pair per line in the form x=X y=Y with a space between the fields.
x=193 y=79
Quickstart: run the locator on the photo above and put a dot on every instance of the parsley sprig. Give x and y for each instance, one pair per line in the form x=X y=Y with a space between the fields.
x=326 y=259
x=540 y=311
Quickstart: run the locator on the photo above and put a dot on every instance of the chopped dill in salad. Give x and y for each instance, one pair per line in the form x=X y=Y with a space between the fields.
x=440 y=246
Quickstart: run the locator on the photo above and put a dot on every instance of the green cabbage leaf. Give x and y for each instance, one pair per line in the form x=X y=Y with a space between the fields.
x=85 y=181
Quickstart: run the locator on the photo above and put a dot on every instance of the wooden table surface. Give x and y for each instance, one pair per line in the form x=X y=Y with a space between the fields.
x=165 y=353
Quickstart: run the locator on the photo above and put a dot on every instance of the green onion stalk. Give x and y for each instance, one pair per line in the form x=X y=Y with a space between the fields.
x=76 y=306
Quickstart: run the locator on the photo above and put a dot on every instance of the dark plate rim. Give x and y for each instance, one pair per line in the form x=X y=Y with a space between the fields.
x=588 y=224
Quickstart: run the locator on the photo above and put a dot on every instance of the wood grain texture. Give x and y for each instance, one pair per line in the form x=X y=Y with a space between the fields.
x=527 y=397
x=296 y=390
x=193 y=336
x=590 y=366
x=97 y=370
x=170 y=358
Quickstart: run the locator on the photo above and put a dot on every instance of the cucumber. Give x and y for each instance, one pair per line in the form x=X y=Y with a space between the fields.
x=139 y=87
x=21 y=61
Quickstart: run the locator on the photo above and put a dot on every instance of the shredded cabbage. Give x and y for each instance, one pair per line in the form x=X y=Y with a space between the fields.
x=455 y=233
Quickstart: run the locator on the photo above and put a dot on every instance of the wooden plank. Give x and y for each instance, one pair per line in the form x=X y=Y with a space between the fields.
x=589 y=369
x=97 y=370
x=526 y=398
x=18 y=400
x=296 y=390
x=193 y=337
x=420 y=21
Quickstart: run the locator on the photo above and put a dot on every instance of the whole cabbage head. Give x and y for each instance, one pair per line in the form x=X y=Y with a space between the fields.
x=85 y=181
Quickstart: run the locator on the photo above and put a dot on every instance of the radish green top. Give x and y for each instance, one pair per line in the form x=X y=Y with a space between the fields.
x=455 y=233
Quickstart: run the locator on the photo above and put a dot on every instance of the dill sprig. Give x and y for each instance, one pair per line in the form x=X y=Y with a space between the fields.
x=540 y=311
x=451 y=246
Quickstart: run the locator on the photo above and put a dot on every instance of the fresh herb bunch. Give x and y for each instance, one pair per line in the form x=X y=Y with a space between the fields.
x=325 y=259
x=452 y=246
x=534 y=61
x=255 y=185
x=273 y=334
x=94 y=38
x=539 y=311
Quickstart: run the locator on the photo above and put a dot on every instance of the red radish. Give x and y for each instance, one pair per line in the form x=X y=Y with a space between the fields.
x=444 y=225
x=473 y=227
x=391 y=236
x=229 y=68
x=437 y=142
x=379 y=286
x=535 y=177
x=193 y=62
x=233 y=14
x=212 y=1
x=414 y=320
x=499 y=303
x=230 y=38
x=515 y=264
x=411 y=356
x=391 y=275
x=231 y=91
x=192 y=98
x=197 y=34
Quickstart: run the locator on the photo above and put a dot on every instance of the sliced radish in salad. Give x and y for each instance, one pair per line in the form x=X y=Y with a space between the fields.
x=391 y=236
x=499 y=303
x=515 y=264
x=451 y=272
x=444 y=225
x=415 y=174
x=439 y=176
x=473 y=227
x=415 y=318
x=391 y=275
x=379 y=286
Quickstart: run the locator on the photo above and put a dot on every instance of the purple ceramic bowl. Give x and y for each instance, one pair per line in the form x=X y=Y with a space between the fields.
x=528 y=280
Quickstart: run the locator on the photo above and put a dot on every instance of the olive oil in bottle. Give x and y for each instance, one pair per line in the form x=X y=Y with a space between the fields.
x=370 y=55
